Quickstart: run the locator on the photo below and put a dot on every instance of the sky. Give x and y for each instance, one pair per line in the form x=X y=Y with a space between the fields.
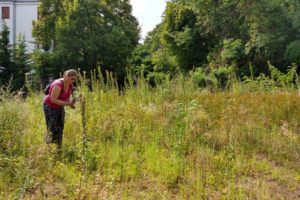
x=149 y=13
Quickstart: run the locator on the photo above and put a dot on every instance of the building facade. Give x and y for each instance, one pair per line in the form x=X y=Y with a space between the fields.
x=18 y=16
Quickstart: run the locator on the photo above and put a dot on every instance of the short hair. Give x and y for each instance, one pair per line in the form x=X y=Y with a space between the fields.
x=71 y=72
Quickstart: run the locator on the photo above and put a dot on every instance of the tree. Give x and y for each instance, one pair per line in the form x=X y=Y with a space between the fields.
x=183 y=37
x=270 y=32
x=152 y=56
x=258 y=31
x=44 y=29
x=5 y=56
x=292 y=53
x=20 y=62
x=45 y=62
x=44 y=67
x=89 y=34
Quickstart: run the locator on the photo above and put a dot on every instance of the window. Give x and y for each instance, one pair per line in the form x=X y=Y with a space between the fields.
x=5 y=12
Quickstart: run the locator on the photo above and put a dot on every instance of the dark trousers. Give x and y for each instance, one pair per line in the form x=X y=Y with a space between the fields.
x=55 y=119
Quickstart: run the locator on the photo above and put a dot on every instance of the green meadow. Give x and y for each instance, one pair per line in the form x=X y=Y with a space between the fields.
x=171 y=141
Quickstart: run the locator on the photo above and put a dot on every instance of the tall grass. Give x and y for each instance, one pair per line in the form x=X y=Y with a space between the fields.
x=172 y=141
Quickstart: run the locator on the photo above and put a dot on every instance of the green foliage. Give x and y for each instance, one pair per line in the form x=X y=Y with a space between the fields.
x=20 y=62
x=270 y=31
x=44 y=67
x=44 y=29
x=164 y=62
x=229 y=54
x=183 y=36
x=292 y=53
x=199 y=77
x=276 y=81
x=232 y=51
x=5 y=55
x=14 y=61
x=151 y=56
x=88 y=34
x=215 y=78
x=285 y=80
x=214 y=34
x=174 y=141
x=141 y=59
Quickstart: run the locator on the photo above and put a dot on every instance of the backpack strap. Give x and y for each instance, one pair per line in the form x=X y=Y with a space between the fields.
x=62 y=83
x=50 y=86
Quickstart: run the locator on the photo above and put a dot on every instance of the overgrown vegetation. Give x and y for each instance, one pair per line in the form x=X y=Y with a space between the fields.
x=202 y=114
x=202 y=35
x=210 y=34
x=173 y=141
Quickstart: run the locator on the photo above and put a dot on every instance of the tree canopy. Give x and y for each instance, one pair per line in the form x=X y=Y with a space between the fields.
x=235 y=33
x=87 y=34
x=231 y=36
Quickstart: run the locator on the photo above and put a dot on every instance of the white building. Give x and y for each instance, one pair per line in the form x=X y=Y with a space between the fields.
x=18 y=16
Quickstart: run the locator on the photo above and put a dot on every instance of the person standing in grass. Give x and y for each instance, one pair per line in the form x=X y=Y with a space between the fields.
x=56 y=98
